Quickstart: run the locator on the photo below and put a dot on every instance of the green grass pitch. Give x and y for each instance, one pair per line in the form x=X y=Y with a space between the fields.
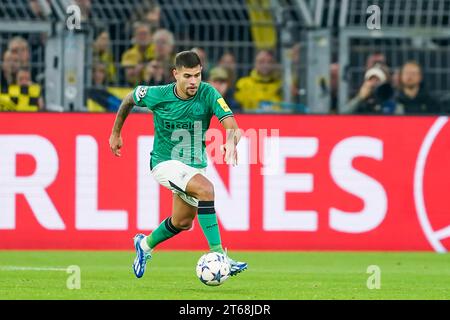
x=271 y=275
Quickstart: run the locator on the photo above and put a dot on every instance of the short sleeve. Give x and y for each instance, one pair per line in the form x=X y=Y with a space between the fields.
x=218 y=104
x=147 y=96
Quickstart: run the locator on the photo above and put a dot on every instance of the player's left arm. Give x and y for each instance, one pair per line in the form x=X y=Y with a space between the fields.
x=223 y=112
x=233 y=135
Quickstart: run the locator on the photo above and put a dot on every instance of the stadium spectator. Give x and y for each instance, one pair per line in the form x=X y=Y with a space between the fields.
x=203 y=59
x=150 y=13
x=295 y=69
x=219 y=79
x=412 y=97
x=99 y=74
x=23 y=49
x=19 y=46
x=396 y=78
x=228 y=61
x=23 y=94
x=102 y=52
x=154 y=74
x=85 y=9
x=153 y=16
x=374 y=59
x=334 y=86
x=261 y=90
x=141 y=52
x=132 y=68
x=376 y=95
x=41 y=10
x=10 y=66
x=23 y=77
x=164 y=42
x=99 y=99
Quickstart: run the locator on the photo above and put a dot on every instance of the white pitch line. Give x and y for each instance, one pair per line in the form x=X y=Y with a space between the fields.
x=18 y=268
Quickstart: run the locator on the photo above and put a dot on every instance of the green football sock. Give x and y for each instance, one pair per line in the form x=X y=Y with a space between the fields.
x=165 y=230
x=208 y=222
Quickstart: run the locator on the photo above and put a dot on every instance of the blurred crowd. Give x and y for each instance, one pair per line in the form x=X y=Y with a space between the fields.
x=149 y=61
x=18 y=92
x=402 y=91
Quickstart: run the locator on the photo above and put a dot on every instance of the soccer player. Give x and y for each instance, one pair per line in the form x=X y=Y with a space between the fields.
x=181 y=110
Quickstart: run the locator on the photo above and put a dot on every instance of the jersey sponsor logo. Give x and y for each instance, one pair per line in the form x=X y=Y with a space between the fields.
x=141 y=92
x=223 y=104
x=171 y=125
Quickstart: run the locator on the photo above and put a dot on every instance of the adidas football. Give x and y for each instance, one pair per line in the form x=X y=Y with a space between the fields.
x=213 y=268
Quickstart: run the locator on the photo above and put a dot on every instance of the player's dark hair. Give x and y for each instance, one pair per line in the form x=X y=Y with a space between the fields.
x=187 y=59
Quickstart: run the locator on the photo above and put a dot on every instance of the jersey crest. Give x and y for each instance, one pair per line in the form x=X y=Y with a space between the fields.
x=141 y=92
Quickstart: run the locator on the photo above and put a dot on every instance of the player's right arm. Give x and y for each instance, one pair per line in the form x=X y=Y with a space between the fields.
x=115 y=140
x=141 y=96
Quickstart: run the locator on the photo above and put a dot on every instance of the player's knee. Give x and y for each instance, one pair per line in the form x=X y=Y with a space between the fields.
x=206 y=192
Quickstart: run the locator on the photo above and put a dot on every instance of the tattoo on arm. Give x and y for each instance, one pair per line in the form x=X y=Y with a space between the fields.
x=124 y=109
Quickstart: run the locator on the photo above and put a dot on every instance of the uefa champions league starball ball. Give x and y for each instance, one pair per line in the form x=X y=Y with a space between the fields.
x=213 y=268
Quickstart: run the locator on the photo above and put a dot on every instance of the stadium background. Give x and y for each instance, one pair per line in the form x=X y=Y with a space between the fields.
x=366 y=181
x=341 y=194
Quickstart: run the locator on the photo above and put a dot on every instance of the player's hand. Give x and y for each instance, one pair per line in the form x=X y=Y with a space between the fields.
x=230 y=151
x=115 y=143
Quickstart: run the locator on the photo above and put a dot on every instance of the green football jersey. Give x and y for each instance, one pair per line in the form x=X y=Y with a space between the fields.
x=180 y=125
